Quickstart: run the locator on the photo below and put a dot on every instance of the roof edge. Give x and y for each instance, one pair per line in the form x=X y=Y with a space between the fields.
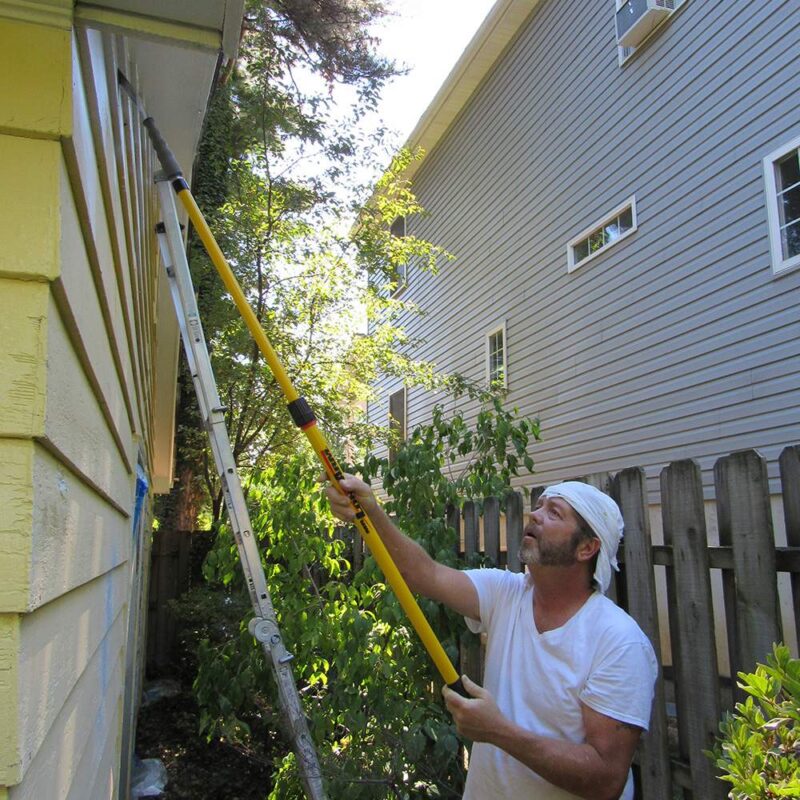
x=501 y=26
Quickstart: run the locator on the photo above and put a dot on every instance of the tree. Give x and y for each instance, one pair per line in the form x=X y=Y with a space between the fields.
x=271 y=166
x=758 y=750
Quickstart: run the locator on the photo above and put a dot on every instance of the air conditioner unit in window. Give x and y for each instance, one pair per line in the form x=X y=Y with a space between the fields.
x=637 y=18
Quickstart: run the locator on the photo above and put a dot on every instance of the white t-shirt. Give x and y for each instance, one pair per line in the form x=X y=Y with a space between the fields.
x=599 y=657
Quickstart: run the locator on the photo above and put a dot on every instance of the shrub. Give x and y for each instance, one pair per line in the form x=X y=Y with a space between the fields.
x=369 y=689
x=759 y=749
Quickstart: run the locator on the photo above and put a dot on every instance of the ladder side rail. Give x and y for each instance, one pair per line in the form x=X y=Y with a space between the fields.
x=189 y=351
x=264 y=627
x=211 y=406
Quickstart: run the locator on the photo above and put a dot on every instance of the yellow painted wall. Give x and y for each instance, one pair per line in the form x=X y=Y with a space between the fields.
x=35 y=101
x=77 y=360
x=10 y=760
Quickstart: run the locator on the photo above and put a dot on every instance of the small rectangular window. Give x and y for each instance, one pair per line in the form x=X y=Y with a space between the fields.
x=782 y=184
x=400 y=272
x=397 y=421
x=496 y=373
x=621 y=222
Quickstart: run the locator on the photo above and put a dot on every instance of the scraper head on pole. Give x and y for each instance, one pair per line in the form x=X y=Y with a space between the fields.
x=167 y=160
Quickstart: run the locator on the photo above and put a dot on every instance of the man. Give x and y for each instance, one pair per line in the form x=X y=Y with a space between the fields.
x=569 y=676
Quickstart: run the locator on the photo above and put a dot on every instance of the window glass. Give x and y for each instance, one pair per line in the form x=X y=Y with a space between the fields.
x=789 y=170
x=791 y=240
x=790 y=205
x=496 y=357
x=608 y=231
x=400 y=276
x=612 y=231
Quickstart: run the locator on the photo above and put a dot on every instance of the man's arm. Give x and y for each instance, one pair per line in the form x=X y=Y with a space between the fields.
x=422 y=574
x=595 y=769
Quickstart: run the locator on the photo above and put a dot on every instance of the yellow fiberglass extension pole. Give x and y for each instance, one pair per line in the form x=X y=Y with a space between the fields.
x=298 y=407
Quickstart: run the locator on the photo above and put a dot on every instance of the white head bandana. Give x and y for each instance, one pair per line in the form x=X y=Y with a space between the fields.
x=604 y=518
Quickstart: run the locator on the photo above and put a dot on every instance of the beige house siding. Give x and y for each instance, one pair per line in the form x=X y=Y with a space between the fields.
x=88 y=365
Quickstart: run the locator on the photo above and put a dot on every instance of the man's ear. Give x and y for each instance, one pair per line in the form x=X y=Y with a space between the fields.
x=588 y=548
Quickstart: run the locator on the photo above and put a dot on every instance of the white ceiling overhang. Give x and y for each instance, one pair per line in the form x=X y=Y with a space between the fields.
x=170 y=51
x=175 y=48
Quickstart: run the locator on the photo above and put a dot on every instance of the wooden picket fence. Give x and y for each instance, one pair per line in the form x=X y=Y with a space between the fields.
x=670 y=760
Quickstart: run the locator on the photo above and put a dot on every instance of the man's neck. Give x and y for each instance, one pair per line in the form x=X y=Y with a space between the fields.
x=559 y=594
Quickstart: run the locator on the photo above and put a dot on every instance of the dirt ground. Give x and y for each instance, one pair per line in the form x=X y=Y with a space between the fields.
x=197 y=770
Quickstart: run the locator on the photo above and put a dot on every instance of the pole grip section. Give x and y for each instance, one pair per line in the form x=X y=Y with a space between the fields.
x=458 y=687
x=165 y=157
x=385 y=561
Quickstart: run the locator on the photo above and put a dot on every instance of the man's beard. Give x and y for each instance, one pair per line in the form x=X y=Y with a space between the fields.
x=561 y=554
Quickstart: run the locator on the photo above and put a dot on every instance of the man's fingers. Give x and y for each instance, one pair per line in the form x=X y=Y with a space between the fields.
x=454 y=699
x=473 y=688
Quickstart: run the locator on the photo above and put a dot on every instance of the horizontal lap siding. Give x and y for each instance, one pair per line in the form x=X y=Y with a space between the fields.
x=75 y=425
x=82 y=162
x=88 y=687
x=86 y=308
x=677 y=342
x=64 y=644
x=77 y=535
x=96 y=367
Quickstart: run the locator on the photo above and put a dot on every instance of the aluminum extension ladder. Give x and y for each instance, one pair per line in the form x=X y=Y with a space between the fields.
x=263 y=626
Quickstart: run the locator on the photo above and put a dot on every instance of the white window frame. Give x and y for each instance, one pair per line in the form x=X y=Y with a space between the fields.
x=625 y=54
x=572 y=264
x=402 y=271
x=501 y=328
x=780 y=265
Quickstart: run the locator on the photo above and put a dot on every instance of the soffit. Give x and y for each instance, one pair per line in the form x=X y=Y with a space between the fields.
x=172 y=50
x=220 y=20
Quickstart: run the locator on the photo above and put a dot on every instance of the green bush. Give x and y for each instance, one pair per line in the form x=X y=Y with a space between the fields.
x=369 y=689
x=759 y=749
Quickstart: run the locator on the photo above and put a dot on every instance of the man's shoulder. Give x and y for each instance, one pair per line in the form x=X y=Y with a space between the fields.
x=615 y=621
x=497 y=588
x=500 y=577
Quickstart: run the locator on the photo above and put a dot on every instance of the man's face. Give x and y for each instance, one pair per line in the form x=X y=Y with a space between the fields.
x=552 y=535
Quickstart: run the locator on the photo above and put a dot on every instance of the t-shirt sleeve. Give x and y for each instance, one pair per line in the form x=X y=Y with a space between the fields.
x=621 y=684
x=494 y=586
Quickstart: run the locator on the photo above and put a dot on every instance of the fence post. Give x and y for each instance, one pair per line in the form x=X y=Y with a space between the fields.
x=471 y=530
x=514 y=527
x=470 y=650
x=745 y=521
x=453 y=519
x=694 y=654
x=629 y=490
x=491 y=530
x=790 y=485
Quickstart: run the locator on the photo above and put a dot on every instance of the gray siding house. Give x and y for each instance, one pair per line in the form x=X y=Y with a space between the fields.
x=626 y=226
